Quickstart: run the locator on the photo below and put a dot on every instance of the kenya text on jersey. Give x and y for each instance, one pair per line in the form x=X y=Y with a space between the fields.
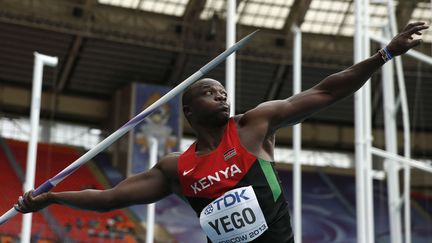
x=210 y=180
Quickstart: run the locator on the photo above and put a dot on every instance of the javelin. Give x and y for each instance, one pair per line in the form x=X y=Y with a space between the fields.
x=51 y=183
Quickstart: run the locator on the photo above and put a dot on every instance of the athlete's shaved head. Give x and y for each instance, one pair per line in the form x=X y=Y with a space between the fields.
x=188 y=94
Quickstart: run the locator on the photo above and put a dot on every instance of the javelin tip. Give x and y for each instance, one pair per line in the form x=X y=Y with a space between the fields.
x=243 y=41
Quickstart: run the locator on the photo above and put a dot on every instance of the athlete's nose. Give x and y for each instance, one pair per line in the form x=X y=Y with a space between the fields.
x=221 y=96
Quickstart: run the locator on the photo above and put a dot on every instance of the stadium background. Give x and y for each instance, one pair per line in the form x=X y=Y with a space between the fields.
x=107 y=50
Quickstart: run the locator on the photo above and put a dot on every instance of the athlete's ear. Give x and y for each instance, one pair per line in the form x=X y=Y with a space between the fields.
x=187 y=111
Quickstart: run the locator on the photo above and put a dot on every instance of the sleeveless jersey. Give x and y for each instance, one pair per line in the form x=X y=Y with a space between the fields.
x=237 y=196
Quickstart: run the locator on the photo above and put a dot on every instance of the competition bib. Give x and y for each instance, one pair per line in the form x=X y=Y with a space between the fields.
x=234 y=217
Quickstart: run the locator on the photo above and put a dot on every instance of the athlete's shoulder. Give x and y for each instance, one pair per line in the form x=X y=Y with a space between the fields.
x=168 y=163
x=173 y=155
x=237 y=119
x=170 y=158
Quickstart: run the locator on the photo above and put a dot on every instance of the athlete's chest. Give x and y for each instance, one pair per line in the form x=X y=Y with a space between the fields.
x=210 y=175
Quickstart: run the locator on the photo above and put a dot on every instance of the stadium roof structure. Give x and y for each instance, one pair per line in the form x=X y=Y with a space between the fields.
x=332 y=17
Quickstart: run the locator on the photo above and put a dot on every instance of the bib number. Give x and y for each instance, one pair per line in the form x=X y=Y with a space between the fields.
x=234 y=217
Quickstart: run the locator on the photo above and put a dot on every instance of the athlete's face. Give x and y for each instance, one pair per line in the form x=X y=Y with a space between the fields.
x=209 y=101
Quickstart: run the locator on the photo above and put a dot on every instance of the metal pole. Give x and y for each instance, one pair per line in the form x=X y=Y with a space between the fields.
x=402 y=160
x=391 y=146
x=407 y=148
x=369 y=205
x=407 y=154
x=297 y=137
x=406 y=127
x=359 y=133
x=230 y=62
x=151 y=207
x=40 y=61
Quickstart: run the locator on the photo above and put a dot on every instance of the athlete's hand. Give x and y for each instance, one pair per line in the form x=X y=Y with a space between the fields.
x=27 y=203
x=404 y=41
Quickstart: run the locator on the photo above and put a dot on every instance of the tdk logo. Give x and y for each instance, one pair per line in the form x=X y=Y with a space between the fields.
x=231 y=199
x=208 y=210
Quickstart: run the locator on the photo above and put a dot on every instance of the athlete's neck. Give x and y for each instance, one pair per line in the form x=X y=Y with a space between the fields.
x=208 y=138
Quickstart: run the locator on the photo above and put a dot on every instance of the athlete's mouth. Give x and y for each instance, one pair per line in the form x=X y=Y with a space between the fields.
x=225 y=107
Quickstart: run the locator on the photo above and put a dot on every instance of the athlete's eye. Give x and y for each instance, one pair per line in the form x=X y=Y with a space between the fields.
x=208 y=92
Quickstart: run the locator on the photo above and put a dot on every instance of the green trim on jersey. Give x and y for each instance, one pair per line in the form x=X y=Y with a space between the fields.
x=183 y=198
x=271 y=178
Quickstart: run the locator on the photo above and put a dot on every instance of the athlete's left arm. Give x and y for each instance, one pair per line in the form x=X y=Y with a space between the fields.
x=333 y=88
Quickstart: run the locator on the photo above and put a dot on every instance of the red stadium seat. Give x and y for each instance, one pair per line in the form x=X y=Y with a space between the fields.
x=51 y=159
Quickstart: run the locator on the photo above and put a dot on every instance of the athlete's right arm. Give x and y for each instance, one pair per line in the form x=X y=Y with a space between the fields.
x=145 y=187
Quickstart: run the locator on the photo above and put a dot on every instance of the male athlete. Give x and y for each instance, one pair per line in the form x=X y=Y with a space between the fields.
x=227 y=175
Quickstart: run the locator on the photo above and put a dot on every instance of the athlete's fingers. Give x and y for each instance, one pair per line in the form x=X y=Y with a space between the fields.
x=21 y=205
x=415 y=43
x=411 y=25
x=417 y=29
x=17 y=208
